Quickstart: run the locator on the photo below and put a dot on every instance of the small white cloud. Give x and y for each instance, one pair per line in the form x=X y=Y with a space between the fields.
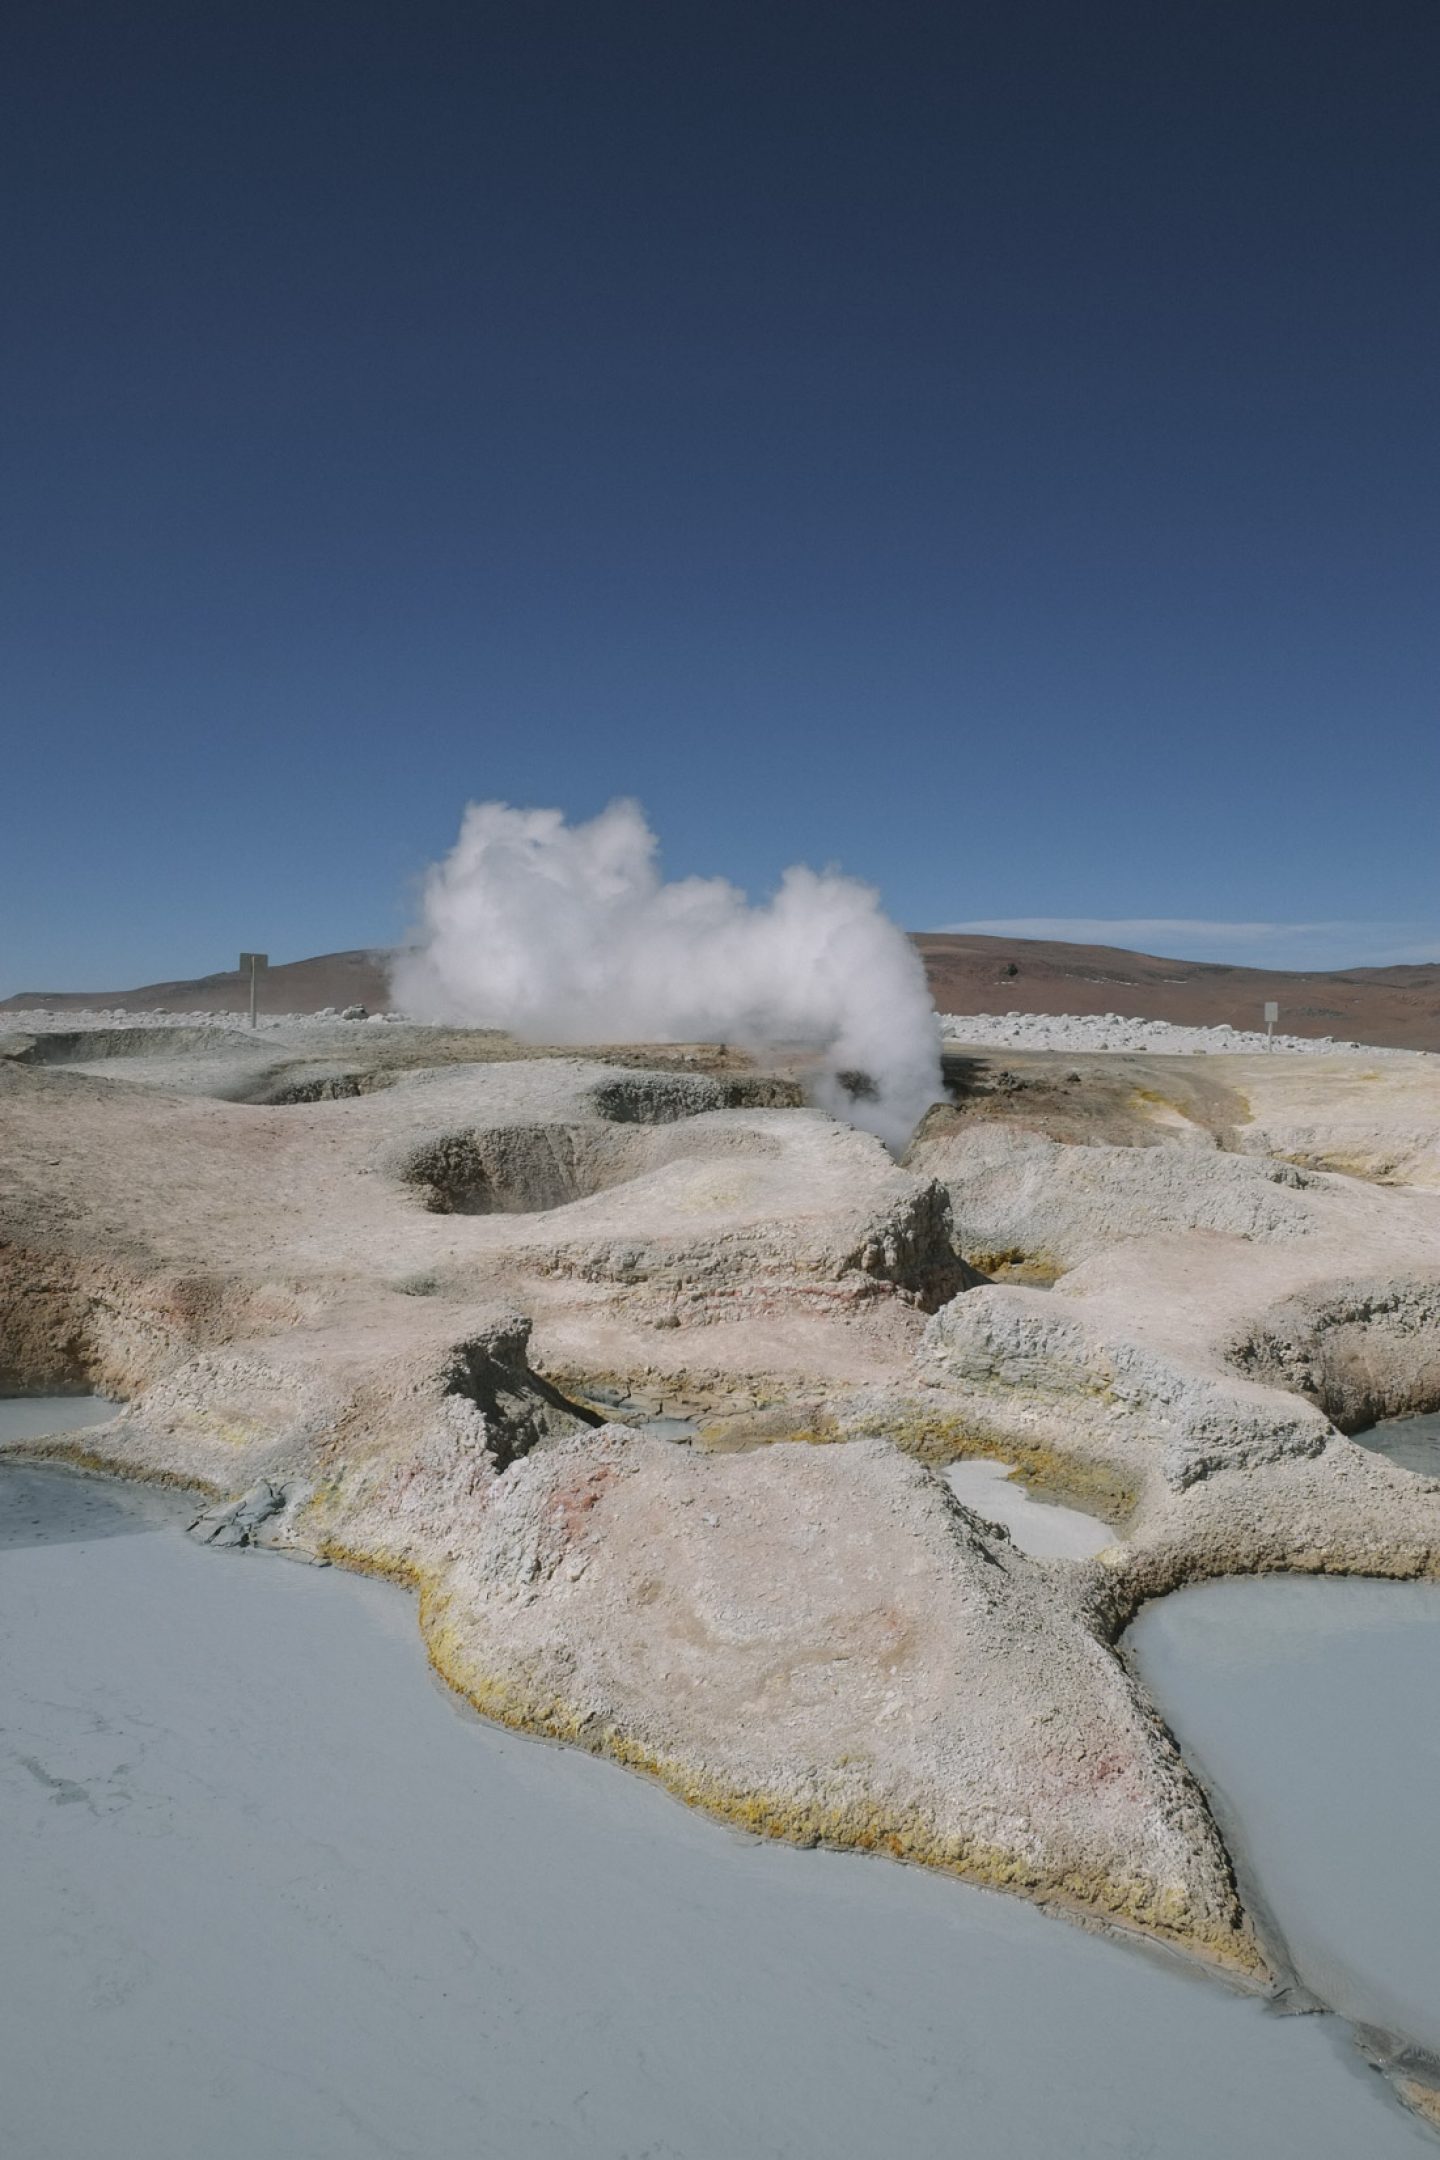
x=1318 y=945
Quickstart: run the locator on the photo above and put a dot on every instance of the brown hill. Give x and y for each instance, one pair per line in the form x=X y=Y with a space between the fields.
x=1398 y=1007
x=338 y=979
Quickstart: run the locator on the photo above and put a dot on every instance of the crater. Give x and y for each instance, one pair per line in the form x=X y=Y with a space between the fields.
x=1013 y=1264
x=89 y=1046
x=532 y=1169
x=1362 y=1353
x=321 y=1087
x=664 y=1098
x=517 y=1169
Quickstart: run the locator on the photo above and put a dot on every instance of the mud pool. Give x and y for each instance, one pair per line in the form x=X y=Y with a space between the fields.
x=1310 y=1709
x=1412 y=1442
x=32 y=1417
x=269 y=1889
x=1042 y=1527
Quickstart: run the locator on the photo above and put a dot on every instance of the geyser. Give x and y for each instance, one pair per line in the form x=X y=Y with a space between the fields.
x=567 y=933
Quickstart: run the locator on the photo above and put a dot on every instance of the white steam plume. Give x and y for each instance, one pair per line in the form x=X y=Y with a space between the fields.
x=565 y=933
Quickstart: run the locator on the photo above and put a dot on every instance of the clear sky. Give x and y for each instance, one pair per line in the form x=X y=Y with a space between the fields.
x=992 y=447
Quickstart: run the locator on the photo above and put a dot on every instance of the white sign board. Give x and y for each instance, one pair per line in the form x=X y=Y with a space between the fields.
x=1272 y=1012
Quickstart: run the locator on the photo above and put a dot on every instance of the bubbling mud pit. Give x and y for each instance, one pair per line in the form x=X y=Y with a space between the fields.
x=652 y=1409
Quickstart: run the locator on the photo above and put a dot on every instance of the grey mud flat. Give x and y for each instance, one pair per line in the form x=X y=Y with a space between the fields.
x=269 y=1892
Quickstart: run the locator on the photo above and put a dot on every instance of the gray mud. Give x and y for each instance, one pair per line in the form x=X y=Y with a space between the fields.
x=1043 y=1527
x=268 y=1891
x=1412 y=1442
x=1310 y=1709
x=38 y=1417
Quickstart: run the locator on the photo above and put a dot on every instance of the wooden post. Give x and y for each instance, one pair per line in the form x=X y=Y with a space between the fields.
x=254 y=961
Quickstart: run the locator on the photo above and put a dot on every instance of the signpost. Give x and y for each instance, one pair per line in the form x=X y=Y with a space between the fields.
x=1272 y=1014
x=254 y=961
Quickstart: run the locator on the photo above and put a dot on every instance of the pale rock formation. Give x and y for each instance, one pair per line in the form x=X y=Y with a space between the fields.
x=343 y=1306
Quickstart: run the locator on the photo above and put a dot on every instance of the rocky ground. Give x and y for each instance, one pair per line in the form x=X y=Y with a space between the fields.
x=1114 y=1031
x=377 y=1290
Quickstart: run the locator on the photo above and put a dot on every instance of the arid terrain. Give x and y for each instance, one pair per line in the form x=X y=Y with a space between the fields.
x=1397 y=1007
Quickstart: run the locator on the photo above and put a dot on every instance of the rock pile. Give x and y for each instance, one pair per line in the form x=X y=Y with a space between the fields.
x=41 y=1020
x=1113 y=1031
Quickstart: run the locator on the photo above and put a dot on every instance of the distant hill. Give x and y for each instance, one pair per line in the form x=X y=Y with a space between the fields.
x=1398 y=1007
x=338 y=979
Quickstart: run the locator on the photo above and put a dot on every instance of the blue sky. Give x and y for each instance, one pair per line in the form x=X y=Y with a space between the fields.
x=990 y=447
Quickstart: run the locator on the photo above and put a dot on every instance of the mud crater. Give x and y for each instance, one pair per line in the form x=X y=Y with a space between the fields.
x=322 y=1087
x=665 y=1098
x=1362 y=1353
x=518 y=1169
